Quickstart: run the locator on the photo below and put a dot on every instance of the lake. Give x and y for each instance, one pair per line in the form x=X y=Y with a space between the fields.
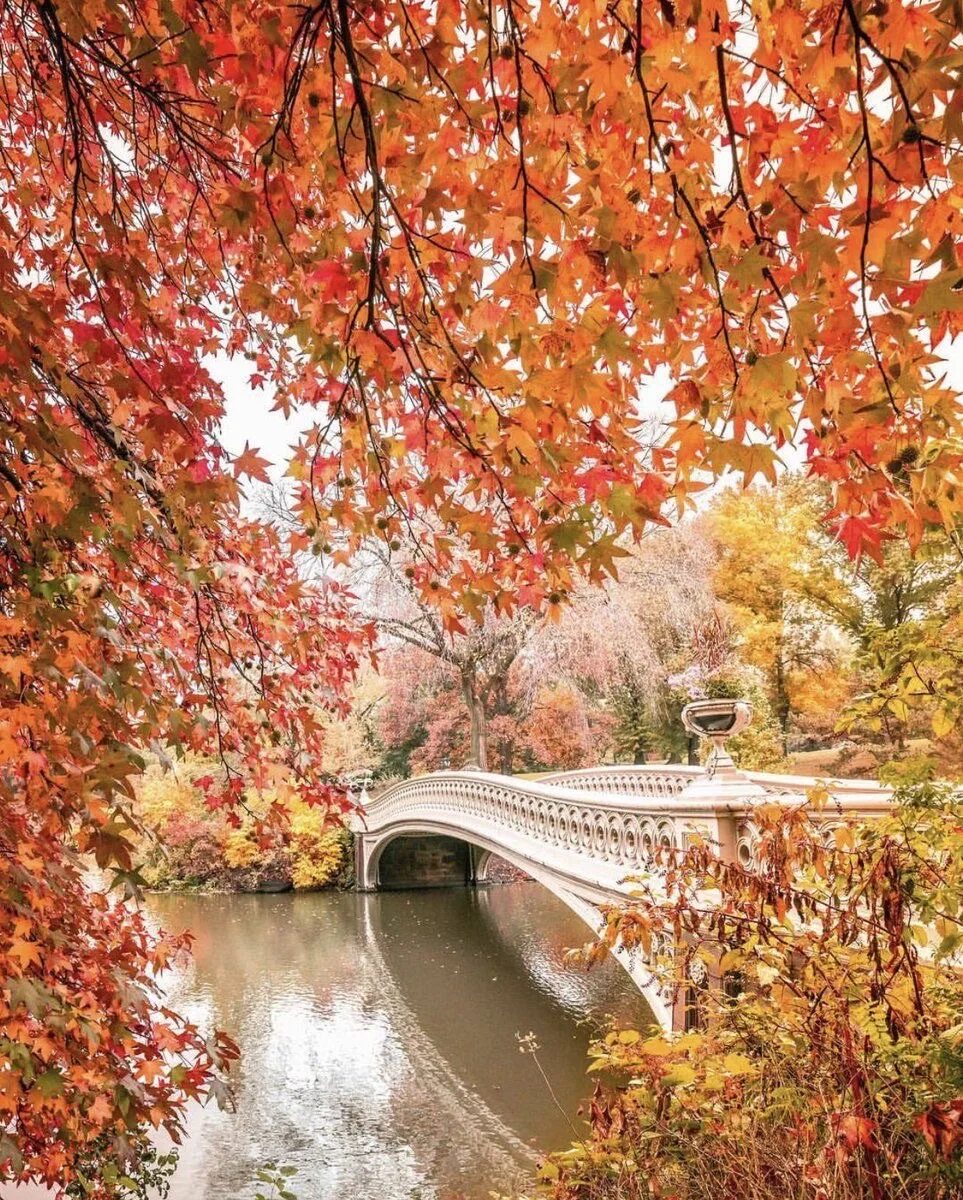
x=380 y=1038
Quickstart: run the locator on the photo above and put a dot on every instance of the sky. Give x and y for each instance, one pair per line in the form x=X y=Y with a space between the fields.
x=249 y=417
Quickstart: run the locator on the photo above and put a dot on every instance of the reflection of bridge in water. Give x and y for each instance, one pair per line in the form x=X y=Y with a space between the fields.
x=579 y=833
x=500 y=955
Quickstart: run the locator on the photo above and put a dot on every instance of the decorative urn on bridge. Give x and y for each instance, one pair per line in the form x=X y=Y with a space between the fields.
x=722 y=788
x=717 y=720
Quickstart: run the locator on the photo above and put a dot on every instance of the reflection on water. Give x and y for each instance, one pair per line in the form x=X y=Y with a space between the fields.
x=379 y=1038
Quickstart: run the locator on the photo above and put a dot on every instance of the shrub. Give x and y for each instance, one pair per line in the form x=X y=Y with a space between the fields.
x=186 y=843
x=319 y=853
x=829 y=1061
x=240 y=849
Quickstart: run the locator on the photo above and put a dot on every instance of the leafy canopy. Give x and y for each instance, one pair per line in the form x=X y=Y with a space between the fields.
x=480 y=231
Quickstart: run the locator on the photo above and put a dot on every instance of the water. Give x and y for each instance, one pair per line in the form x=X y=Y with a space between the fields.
x=379 y=1037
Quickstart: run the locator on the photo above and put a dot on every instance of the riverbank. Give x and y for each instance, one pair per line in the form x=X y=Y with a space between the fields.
x=202 y=866
x=187 y=846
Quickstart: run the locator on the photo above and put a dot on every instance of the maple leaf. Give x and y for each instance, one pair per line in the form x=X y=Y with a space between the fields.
x=25 y=952
x=249 y=463
x=150 y=1069
x=942 y=1127
x=101 y=1109
x=855 y=1131
x=860 y=536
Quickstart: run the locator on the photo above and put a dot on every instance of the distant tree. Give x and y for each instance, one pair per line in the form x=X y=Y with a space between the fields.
x=560 y=731
x=349 y=737
x=477 y=655
x=772 y=574
x=897 y=609
x=914 y=675
x=803 y=611
x=620 y=642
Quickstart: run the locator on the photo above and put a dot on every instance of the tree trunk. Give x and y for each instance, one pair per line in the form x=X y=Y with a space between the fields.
x=781 y=697
x=478 y=719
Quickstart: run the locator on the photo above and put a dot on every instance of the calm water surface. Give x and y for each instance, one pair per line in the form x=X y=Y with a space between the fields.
x=379 y=1037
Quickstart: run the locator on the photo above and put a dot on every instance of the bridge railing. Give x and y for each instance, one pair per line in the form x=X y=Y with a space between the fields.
x=661 y=779
x=655 y=780
x=603 y=823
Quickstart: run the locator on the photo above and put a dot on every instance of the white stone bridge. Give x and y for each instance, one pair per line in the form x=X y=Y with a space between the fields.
x=582 y=833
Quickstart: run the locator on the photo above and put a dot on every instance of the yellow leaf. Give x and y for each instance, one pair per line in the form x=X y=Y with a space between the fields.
x=818 y=795
x=738 y=1064
x=523 y=442
x=730 y=961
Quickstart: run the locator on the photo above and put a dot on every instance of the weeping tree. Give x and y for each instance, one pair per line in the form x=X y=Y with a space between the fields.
x=622 y=643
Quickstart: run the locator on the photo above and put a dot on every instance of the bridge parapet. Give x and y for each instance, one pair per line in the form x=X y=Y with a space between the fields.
x=601 y=824
x=658 y=779
x=731 y=795
x=650 y=780
x=591 y=838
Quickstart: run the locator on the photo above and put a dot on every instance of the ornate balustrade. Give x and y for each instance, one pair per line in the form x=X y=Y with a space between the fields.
x=847 y=797
x=649 y=779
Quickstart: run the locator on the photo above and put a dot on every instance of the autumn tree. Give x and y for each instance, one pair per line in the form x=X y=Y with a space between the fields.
x=138 y=610
x=621 y=641
x=554 y=202
x=612 y=646
x=422 y=723
x=468 y=237
x=899 y=609
x=486 y=231
x=773 y=574
x=914 y=669
x=810 y=617
x=477 y=655
x=561 y=732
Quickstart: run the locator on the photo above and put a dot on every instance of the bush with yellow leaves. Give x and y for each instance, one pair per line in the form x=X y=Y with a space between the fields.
x=185 y=844
x=318 y=852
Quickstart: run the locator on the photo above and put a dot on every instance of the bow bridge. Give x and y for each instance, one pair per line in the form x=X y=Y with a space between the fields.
x=578 y=833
